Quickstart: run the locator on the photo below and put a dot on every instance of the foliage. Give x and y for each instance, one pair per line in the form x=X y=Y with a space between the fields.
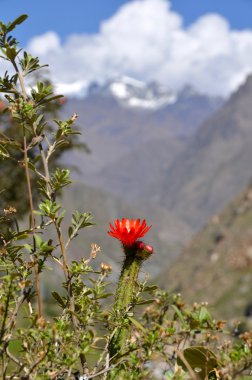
x=13 y=178
x=91 y=335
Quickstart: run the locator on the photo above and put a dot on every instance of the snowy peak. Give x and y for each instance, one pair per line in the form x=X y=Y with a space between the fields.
x=133 y=93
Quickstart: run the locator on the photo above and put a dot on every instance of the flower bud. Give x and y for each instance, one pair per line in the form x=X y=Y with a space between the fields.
x=10 y=210
x=149 y=249
x=142 y=250
x=105 y=268
x=140 y=245
x=74 y=117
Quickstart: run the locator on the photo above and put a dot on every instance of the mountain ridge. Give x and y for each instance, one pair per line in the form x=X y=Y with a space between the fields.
x=216 y=164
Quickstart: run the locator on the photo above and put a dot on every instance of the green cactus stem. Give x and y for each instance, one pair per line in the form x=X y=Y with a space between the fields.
x=127 y=286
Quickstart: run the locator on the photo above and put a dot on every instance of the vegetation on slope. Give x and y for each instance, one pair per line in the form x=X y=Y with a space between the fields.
x=217 y=265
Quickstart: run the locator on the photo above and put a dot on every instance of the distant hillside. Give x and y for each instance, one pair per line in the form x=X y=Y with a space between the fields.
x=217 y=265
x=216 y=164
x=134 y=175
x=113 y=131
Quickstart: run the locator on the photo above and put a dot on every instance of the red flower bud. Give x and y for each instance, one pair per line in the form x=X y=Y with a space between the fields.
x=140 y=245
x=149 y=248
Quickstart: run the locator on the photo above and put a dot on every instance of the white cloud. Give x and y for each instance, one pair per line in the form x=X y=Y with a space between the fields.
x=45 y=44
x=148 y=41
x=77 y=87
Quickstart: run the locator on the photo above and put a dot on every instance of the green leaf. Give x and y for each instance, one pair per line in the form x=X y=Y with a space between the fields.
x=3 y=152
x=137 y=324
x=50 y=99
x=38 y=240
x=21 y=236
x=60 y=217
x=60 y=179
x=11 y=53
x=31 y=166
x=58 y=298
x=104 y=295
x=204 y=314
x=87 y=292
x=145 y=302
x=28 y=247
x=150 y=288
x=179 y=314
x=16 y=22
x=70 y=231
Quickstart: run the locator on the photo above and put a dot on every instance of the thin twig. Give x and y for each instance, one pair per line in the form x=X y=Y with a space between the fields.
x=28 y=179
x=105 y=370
x=3 y=329
x=63 y=251
x=27 y=376
x=14 y=359
x=69 y=287
x=36 y=275
x=67 y=275
x=27 y=231
x=187 y=365
x=12 y=320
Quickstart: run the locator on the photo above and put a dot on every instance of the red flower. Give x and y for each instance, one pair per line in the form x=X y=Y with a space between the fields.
x=128 y=230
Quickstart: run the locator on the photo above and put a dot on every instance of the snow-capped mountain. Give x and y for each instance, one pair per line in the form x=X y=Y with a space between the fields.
x=133 y=93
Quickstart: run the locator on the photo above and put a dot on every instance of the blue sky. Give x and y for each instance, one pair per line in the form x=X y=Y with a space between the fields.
x=204 y=43
x=65 y=17
x=78 y=16
x=238 y=12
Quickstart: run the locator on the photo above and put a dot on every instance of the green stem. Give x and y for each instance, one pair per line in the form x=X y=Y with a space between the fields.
x=124 y=297
x=127 y=282
x=29 y=190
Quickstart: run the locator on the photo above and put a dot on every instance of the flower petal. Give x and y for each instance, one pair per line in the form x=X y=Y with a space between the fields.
x=128 y=230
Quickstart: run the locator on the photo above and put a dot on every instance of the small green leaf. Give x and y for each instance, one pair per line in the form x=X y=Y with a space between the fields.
x=58 y=298
x=16 y=22
x=105 y=295
x=150 y=288
x=179 y=314
x=60 y=218
x=70 y=231
x=204 y=314
x=145 y=302
x=137 y=324
x=46 y=100
x=3 y=152
x=31 y=166
x=87 y=292
x=21 y=236
x=11 y=53
x=38 y=240
x=28 y=247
